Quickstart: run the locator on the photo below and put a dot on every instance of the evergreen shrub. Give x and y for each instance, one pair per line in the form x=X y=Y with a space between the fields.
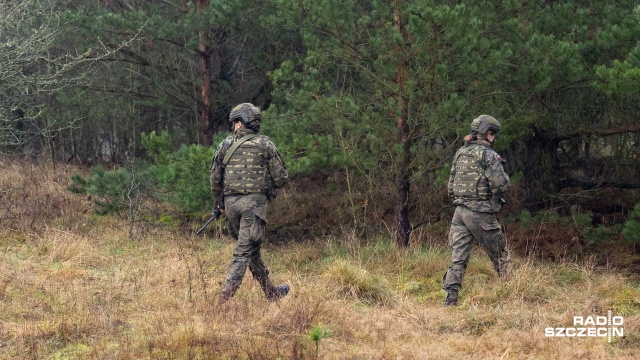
x=179 y=177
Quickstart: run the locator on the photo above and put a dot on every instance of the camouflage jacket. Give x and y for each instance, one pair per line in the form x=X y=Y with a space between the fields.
x=270 y=161
x=477 y=179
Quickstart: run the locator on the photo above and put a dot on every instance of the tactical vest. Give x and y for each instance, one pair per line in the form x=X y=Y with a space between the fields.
x=469 y=181
x=247 y=172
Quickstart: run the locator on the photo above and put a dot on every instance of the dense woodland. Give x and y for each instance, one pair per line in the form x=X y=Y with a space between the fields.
x=365 y=99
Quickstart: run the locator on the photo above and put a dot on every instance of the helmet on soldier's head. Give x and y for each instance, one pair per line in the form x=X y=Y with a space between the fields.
x=246 y=112
x=483 y=123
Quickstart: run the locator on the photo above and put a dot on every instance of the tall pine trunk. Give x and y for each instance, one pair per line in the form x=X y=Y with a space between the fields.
x=205 y=92
x=403 y=185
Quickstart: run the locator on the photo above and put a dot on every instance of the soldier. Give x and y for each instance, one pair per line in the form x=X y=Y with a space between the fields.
x=246 y=172
x=476 y=185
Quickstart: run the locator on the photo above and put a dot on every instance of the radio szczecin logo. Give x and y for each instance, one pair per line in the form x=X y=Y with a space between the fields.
x=590 y=326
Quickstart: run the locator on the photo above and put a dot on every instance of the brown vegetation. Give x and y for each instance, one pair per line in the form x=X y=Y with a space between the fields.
x=73 y=285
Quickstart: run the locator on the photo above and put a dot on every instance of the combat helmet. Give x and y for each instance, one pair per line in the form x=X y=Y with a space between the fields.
x=483 y=123
x=246 y=112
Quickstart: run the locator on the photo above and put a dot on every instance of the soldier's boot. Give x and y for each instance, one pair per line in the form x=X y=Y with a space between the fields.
x=451 y=299
x=228 y=291
x=273 y=292
x=278 y=292
x=261 y=274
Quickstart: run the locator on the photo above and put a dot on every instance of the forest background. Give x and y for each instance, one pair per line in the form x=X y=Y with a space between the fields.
x=366 y=100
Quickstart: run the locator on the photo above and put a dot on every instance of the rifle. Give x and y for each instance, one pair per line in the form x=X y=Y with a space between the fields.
x=215 y=213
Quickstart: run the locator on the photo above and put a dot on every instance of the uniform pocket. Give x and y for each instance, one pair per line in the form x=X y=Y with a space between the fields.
x=490 y=225
x=488 y=222
x=257 y=232
x=492 y=236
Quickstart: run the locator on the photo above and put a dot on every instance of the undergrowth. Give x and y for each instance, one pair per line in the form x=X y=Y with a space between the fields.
x=103 y=296
x=79 y=287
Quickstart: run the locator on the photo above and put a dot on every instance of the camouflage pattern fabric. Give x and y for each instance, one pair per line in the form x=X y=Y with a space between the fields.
x=254 y=170
x=246 y=172
x=255 y=167
x=247 y=220
x=477 y=179
x=467 y=226
x=469 y=181
x=476 y=184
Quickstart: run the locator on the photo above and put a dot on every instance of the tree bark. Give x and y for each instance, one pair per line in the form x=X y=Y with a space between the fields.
x=205 y=93
x=403 y=185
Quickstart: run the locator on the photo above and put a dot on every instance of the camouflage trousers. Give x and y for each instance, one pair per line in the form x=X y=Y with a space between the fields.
x=467 y=226
x=246 y=216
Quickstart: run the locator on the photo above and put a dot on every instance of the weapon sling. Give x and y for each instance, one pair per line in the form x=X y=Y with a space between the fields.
x=235 y=146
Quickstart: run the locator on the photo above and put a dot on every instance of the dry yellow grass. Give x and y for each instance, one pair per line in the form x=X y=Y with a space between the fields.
x=79 y=288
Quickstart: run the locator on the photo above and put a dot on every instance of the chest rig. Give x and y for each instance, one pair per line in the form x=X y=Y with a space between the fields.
x=469 y=180
x=246 y=167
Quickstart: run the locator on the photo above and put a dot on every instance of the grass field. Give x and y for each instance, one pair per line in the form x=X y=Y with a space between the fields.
x=73 y=285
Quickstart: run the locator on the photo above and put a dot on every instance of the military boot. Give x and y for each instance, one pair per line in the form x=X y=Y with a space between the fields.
x=278 y=292
x=452 y=298
x=270 y=291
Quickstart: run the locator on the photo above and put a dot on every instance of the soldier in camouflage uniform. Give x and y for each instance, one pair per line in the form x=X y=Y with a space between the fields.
x=246 y=172
x=476 y=185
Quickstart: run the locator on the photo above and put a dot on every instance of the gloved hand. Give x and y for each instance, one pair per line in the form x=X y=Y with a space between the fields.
x=218 y=211
x=272 y=193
